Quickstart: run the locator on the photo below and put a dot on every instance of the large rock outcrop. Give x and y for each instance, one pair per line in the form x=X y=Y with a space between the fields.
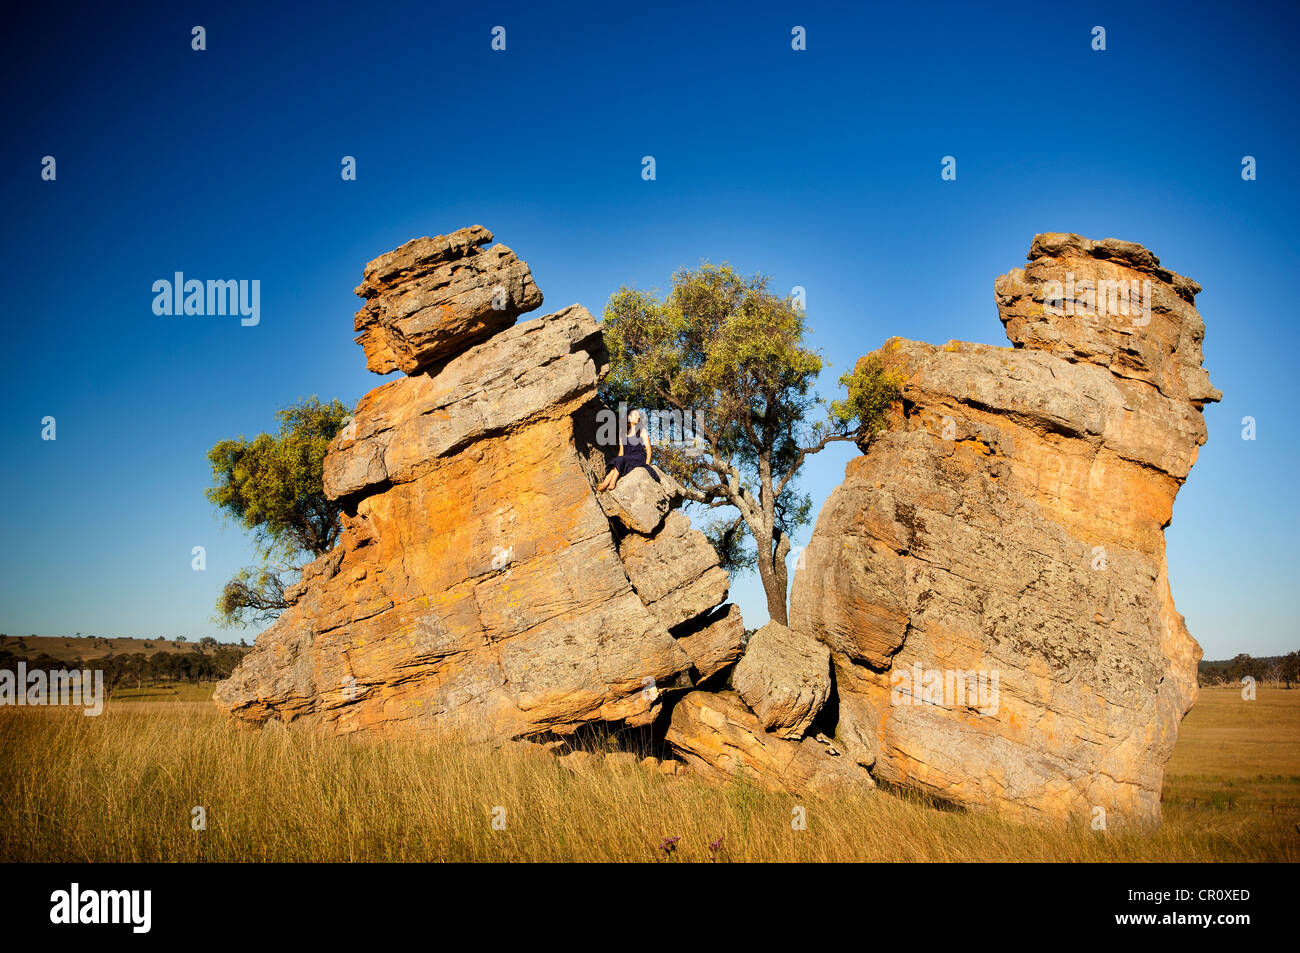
x=479 y=587
x=983 y=612
x=990 y=577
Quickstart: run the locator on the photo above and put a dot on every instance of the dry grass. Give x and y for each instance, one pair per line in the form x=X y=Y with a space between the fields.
x=1238 y=755
x=122 y=787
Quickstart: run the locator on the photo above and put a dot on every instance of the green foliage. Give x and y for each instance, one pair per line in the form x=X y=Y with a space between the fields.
x=1276 y=668
x=253 y=596
x=274 y=486
x=724 y=346
x=871 y=389
x=728 y=539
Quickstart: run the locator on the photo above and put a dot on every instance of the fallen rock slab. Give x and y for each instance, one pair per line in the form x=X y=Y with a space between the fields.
x=721 y=738
x=717 y=643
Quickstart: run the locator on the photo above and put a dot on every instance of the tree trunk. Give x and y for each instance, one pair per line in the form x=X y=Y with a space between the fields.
x=774 y=577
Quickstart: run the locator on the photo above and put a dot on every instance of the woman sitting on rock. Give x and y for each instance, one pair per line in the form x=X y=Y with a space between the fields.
x=634 y=451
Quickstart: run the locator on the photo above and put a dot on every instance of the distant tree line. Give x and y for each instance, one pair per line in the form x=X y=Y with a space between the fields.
x=136 y=669
x=1281 y=670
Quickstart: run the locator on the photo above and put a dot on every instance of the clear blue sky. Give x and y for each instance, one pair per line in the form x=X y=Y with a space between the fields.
x=820 y=168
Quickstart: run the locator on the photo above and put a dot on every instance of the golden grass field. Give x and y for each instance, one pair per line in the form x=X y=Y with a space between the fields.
x=122 y=787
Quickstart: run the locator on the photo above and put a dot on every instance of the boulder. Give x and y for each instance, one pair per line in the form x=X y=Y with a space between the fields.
x=785 y=678
x=641 y=499
x=991 y=578
x=434 y=296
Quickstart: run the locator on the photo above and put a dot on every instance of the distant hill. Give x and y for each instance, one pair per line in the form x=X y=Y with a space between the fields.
x=125 y=662
x=89 y=648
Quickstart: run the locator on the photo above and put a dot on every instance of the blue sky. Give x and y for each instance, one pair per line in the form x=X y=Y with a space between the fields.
x=820 y=168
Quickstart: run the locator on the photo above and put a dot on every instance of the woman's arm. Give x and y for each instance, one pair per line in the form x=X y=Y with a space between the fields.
x=649 y=449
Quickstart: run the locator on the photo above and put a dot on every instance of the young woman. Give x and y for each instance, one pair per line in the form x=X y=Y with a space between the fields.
x=634 y=451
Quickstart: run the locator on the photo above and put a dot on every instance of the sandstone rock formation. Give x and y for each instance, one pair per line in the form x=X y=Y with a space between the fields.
x=983 y=612
x=990 y=578
x=479 y=586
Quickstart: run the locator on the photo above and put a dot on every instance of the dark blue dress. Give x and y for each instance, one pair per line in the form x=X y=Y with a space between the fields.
x=633 y=456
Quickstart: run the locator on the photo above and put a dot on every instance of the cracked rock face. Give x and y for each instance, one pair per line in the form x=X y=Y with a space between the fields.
x=676 y=571
x=478 y=587
x=990 y=577
x=716 y=642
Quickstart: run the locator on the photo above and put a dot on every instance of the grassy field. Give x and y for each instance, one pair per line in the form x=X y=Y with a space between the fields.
x=124 y=785
x=176 y=692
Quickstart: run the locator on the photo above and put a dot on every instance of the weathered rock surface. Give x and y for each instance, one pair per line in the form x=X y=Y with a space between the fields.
x=434 y=296
x=546 y=368
x=676 y=571
x=478 y=586
x=721 y=738
x=785 y=677
x=1009 y=526
x=856 y=731
x=983 y=610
